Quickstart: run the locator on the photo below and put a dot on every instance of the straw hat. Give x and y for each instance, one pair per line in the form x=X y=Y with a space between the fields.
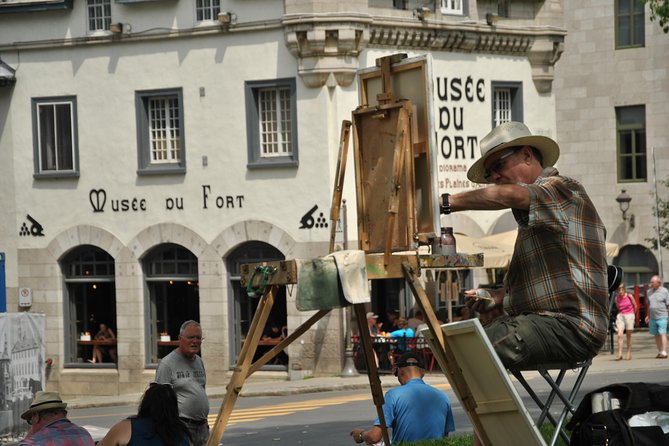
x=512 y=134
x=370 y=315
x=44 y=401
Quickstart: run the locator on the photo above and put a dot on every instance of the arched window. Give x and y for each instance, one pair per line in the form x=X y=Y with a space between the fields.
x=90 y=302
x=243 y=308
x=171 y=277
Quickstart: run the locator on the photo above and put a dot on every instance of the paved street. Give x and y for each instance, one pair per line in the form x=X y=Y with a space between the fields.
x=284 y=411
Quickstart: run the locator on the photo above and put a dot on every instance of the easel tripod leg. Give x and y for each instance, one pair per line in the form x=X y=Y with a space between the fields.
x=243 y=363
x=372 y=372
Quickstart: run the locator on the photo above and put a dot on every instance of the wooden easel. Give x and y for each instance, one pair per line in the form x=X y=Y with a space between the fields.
x=397 y=206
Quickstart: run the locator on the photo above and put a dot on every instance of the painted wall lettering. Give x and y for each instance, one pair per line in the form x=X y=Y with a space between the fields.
x=127 y=205
x=455 y=140
x=98 y=198
x=172 y=203
x=220 y=201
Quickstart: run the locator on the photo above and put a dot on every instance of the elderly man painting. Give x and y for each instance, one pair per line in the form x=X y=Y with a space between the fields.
x=553 y=306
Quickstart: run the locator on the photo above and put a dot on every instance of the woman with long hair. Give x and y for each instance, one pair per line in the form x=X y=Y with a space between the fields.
x=157 y=422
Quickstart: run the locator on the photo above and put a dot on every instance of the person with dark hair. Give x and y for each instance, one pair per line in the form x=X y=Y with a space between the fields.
x=104 y=334
x=48 y=422
x=184 y=370
x=157 y=422
x=415 y=410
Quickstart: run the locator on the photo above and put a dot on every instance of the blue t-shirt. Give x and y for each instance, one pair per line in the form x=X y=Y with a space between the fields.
x=402 y=334
x=417 y=411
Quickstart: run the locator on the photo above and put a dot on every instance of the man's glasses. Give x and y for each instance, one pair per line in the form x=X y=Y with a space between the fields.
x=498 y=165
x=194 y=338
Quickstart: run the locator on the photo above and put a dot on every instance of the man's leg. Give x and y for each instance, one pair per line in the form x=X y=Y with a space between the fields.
x=528 y=340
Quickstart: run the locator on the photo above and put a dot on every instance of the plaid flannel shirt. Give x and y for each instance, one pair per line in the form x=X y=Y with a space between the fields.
x=60 y=432
x=559 y=264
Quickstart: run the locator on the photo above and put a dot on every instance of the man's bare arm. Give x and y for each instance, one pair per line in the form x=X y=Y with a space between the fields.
x=503 y=196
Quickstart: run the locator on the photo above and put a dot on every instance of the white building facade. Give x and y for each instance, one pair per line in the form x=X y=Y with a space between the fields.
x=152 y=147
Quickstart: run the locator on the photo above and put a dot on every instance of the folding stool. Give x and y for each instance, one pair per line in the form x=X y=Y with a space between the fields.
x=556 y=391
x=615 y=274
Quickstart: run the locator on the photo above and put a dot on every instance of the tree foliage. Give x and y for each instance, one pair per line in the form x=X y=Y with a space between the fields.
x=662 y=211
x=659 y=10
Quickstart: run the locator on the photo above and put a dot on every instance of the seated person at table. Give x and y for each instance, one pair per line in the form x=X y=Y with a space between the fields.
x=104 y=334
x=393 y=317
x=372 y=324
x=401 y=334
x=416 y=320
x=274 y=335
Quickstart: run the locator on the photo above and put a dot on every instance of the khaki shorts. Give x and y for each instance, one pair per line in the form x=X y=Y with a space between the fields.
x=625 y=321
x=527 y=340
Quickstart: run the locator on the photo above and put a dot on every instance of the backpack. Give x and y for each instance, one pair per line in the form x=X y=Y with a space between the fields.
x=610 y=427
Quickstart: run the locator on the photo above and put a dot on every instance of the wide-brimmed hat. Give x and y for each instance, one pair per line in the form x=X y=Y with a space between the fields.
x=44 y=401
x=512 y=134
x=370 y=314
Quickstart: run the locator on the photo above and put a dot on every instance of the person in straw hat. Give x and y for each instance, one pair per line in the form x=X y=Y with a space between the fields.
x=49 y=424
x=554 y=304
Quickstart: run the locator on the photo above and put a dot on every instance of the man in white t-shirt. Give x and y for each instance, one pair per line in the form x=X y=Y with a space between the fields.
x=184 y=370
x=658 y=303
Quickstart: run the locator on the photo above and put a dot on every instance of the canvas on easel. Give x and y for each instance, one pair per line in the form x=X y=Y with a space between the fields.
x=404 y=80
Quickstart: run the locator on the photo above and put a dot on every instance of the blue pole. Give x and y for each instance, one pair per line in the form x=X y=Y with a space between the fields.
x=3 y=289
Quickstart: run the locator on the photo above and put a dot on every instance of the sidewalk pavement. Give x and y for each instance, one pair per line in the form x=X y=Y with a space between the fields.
x=276 y=383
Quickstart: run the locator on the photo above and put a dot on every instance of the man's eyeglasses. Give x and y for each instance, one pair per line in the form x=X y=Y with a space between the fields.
x=498 y=165
x=194 y=338
x=30 y=420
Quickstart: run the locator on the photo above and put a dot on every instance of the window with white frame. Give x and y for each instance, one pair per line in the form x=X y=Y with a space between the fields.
x=452 y=7
x=99 y=15
x=272 y=123
x=55 y=136
x=507 y=102
x=207 y=10
x=160 y=131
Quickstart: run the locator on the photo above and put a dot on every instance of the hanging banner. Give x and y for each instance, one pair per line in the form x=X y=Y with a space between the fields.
x=22 y=368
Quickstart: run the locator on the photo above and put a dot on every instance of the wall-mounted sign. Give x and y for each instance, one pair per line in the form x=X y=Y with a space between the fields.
x=25 y=297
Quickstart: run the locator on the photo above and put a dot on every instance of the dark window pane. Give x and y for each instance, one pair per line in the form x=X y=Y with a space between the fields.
x=623 y=31
x=47 y=137
x=64 y=132
x=631 y=115
x=639 y=32
x=625 y=143
x=626 y=168
x=641 y=173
